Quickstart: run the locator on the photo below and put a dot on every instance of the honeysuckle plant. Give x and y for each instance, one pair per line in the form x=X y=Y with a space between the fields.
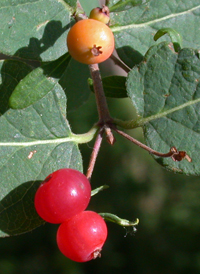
x=41 y=83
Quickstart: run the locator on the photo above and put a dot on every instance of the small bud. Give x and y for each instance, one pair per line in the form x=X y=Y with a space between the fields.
x=109 y=136
x=100 y=14
x=179 y=155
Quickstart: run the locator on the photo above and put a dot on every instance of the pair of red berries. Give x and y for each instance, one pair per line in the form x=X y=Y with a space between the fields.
x=62 y=198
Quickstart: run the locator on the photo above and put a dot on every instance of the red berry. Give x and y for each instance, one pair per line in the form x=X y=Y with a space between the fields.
x=63 y=194
x=81 y=238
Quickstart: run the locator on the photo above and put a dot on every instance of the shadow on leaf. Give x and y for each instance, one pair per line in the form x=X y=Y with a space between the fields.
x=17 y=212
x=36 y=47
x=130 y=56
x=14 y=70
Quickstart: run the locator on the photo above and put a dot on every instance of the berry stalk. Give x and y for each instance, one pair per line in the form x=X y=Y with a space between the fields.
x=102 y=107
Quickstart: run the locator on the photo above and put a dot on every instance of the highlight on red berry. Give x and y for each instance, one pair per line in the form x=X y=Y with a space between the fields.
x=63 y=194
x=82 y=237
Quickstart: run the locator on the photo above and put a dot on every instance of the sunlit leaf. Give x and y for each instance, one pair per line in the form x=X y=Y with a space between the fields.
x=34 y=142
x=166 y=93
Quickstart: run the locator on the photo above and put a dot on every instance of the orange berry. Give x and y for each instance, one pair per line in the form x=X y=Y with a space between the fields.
x=90 y=41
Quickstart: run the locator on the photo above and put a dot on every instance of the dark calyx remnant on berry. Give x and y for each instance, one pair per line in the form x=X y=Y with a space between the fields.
x=96 y=50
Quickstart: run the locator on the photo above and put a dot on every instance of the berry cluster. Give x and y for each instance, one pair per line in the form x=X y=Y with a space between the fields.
x=62 y=199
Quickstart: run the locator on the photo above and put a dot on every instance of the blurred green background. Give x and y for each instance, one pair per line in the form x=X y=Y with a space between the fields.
x=168 y=206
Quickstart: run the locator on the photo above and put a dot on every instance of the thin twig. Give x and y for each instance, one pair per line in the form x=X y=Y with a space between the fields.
x=104 y=115
x=173 y=153
x=120 y=63
x=138 y=143
x=94 y=154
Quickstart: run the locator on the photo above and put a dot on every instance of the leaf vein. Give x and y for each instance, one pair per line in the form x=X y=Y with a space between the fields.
x=165 y=113
x=173 y=15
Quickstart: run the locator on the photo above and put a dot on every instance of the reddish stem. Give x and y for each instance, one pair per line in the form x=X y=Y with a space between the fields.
x=94 y=154
x=104 y=115
x=173 y=153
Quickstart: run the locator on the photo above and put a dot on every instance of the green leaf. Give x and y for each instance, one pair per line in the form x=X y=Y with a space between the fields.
x=66 y=70
x=129 y=56
x=34 y=142
x=43 y=79
x=136 y=27
x=34 y=30
x=114 y=86
x=11 y=73
x=71 y=3
x=174 y=36
x=32 y=88
x=55 y=69
x=125 y=4
x=89 y=5
x=166 y=93
x=74 y=82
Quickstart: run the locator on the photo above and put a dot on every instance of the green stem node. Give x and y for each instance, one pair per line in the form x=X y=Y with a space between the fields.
x=98 y=189
x=115 y=219
x=85 y=137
